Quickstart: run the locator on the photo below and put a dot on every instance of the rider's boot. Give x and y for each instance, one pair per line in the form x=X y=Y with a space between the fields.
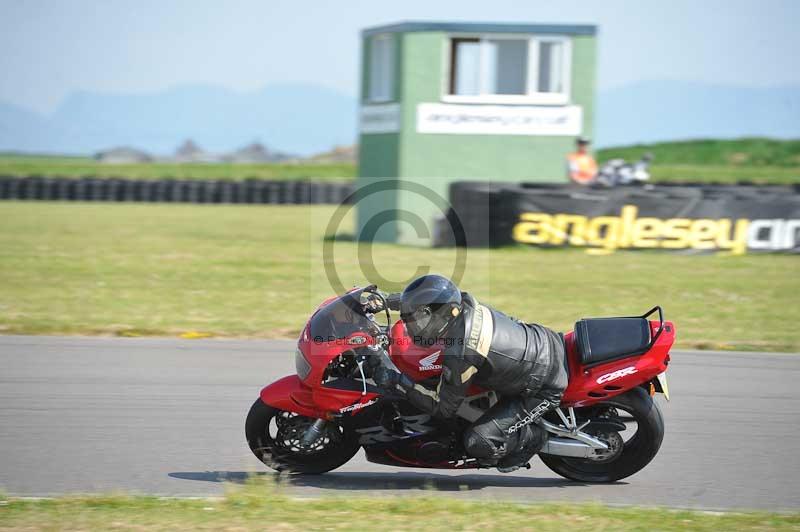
x=511 y=469
x=532 y=439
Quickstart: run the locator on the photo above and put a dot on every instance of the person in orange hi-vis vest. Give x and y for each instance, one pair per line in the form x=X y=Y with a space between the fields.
x=581 y=166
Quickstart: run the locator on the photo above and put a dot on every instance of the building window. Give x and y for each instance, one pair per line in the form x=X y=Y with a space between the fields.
x=551 y=75
x=381 y=69
x=509 y=70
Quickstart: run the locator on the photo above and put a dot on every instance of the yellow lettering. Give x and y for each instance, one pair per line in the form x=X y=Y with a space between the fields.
x=569 y=227
x=603 y=231
x=533 y=228
x=646 y=232
x=612 y=232
x=702 y=233
x=738 y=243
x=676 y=233
x=628 y=216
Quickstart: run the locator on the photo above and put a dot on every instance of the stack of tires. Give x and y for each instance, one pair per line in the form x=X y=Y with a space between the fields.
x=251 y=191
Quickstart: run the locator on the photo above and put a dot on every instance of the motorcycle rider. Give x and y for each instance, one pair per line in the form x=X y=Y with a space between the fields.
x=524 y=363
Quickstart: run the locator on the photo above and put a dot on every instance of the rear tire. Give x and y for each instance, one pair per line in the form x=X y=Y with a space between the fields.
x=636 y=453
x=282 y=452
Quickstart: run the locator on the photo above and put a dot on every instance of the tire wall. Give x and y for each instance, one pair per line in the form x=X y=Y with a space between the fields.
x=251 y=191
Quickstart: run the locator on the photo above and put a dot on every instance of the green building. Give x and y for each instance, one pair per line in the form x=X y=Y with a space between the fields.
x=442 y=102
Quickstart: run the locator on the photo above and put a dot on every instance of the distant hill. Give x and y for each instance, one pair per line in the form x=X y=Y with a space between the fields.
x=339 y=154
x=306 y=119
x=292 y=118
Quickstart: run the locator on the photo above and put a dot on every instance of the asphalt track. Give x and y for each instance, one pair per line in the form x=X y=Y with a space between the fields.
x=161 y=416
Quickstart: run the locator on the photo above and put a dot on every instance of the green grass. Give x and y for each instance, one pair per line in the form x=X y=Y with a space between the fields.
x=724 y=174
x=745 y=152
x=261 y=507
x=255 y=271
x=758 y=160
x=28 y=165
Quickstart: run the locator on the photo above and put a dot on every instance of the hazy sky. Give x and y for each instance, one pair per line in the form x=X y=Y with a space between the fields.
x=49 y=48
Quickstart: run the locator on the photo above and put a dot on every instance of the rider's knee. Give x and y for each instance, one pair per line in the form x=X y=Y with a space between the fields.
x=560 y=380
x=553 y=390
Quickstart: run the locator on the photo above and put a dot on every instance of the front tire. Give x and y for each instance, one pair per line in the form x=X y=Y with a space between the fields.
x=275 y=435
x=636 y=453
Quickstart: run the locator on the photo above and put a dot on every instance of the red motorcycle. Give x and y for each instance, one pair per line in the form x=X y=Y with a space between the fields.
x=607 y=427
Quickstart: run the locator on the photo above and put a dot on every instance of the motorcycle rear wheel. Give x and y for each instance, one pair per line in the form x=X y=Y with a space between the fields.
x=274 y=437
x=636 y=453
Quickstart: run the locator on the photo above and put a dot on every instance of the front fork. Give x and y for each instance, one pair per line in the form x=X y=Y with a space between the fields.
x=314 y=432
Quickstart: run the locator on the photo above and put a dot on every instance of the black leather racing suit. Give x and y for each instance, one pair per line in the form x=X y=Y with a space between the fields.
x=523 y=363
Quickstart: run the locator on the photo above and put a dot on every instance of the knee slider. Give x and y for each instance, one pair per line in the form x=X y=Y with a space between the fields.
x=477 y=445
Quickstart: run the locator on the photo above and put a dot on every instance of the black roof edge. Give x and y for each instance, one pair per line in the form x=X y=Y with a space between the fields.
x=482 y=27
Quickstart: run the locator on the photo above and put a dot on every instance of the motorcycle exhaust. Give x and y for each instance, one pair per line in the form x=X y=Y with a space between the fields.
x=314 y=432
x=566 y=447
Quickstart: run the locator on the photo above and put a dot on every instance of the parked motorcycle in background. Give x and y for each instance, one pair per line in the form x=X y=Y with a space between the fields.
x=617 y=172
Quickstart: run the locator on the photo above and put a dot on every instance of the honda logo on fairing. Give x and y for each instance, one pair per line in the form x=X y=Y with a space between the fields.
x=427 y=363
x=630 y=370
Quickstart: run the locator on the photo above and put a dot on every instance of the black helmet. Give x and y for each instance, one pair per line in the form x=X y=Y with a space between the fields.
x=429 y=305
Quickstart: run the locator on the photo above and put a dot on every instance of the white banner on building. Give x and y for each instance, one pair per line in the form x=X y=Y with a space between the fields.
x=381 y=118
x=499 y=119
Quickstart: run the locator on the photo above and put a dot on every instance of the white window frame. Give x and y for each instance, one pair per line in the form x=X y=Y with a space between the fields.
x=373 y=93
x=532 y=97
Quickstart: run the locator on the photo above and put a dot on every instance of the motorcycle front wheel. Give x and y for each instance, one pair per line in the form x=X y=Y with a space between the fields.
x=629 y=450
x=276 y=438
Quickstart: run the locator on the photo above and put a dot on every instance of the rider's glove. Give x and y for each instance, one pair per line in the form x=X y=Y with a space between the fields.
x=386 y=378
x=373 y=303
x=389 y=379
x=377 y=302
x=393 y=301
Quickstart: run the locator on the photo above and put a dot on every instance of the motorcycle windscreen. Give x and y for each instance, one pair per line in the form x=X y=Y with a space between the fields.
x=342 y=317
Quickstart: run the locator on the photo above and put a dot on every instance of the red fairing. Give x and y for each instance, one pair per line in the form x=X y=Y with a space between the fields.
x=319 y=355
x=615 y=377
x=419 y=363
x=291 y=395
x=598 y=383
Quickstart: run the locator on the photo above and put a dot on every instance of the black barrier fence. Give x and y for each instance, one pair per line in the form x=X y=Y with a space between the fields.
x=252 y=191
x=735 y=219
